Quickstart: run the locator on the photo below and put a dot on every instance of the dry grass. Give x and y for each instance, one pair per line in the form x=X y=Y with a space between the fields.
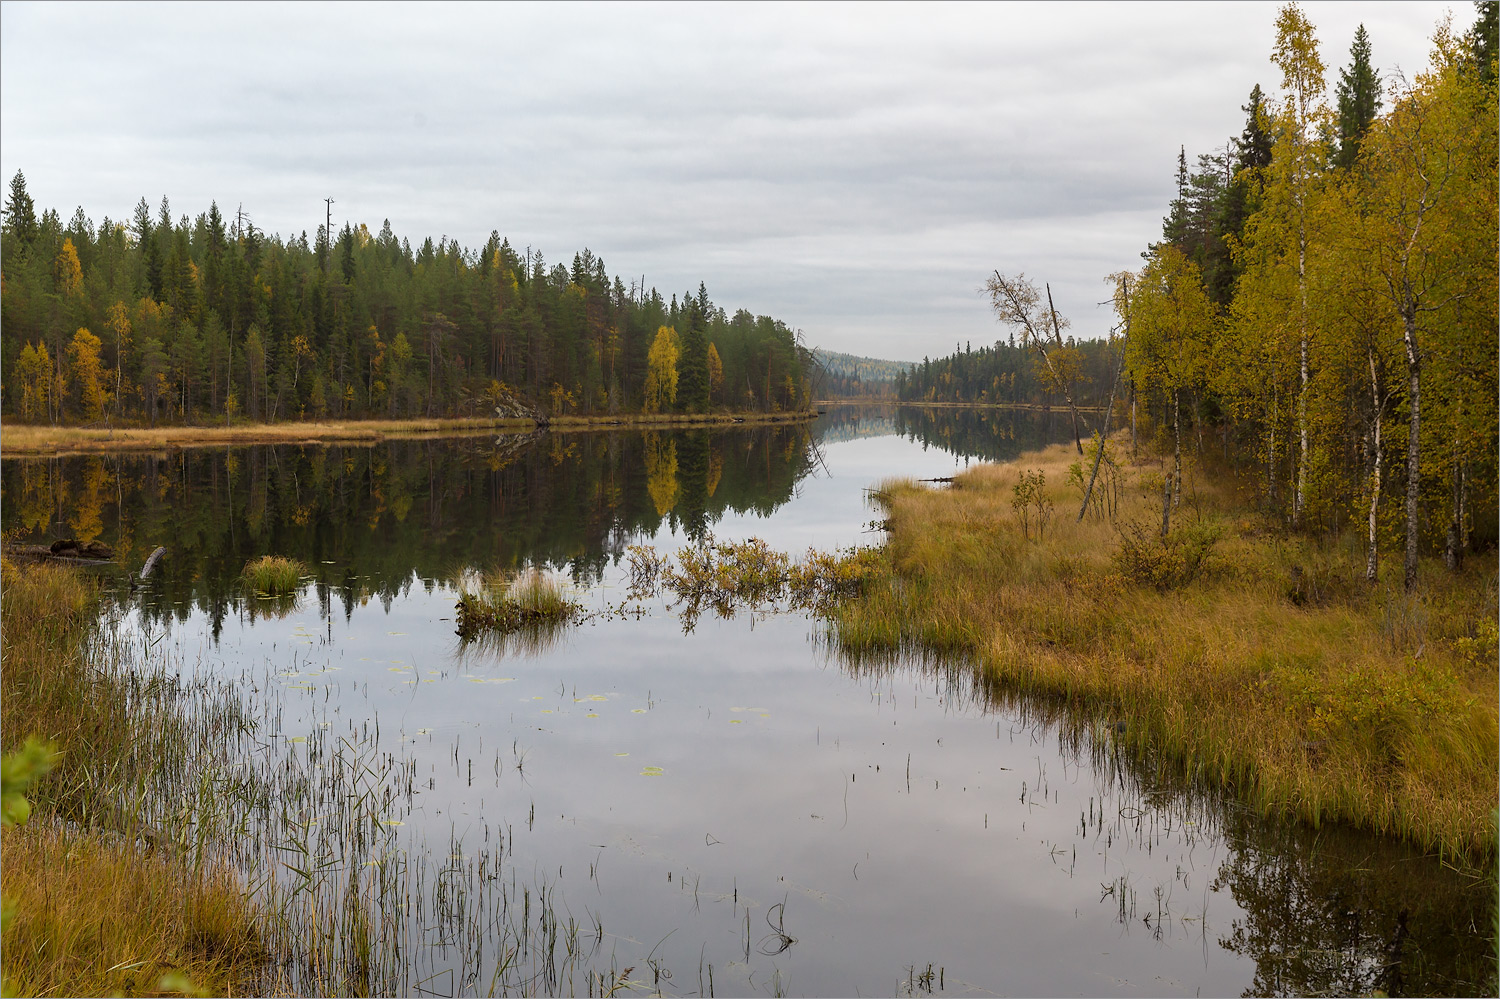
x=34 y=439
x=274 y=575
x=94 y=915
x=1358 y=706
x=95 y=911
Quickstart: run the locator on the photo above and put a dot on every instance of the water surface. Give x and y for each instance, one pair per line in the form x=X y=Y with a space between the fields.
x=733 y=808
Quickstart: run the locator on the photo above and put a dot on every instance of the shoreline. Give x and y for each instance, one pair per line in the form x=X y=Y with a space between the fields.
x=1260 y=662
x=39 y=440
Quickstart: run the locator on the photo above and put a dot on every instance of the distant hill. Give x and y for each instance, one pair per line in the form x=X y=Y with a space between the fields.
x=867 y=370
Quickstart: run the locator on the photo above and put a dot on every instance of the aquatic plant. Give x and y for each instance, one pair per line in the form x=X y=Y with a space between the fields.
x=274 y=575
x=507 y=604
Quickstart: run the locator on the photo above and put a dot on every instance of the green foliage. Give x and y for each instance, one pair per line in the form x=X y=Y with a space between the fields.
x=226 y=319
x=17 y=771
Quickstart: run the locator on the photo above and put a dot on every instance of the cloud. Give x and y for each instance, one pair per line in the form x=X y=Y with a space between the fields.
x=854 y=170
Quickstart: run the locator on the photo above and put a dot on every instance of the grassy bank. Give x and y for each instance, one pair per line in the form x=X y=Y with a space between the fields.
x=100 y=901
x=1232 y=652
x=40 y=439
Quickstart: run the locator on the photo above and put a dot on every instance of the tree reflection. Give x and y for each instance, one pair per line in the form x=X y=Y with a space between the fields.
x=1331 y=912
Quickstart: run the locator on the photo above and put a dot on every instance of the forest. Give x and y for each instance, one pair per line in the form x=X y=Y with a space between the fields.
x=1011 y=373
x=1321 y=305
x=210 y=319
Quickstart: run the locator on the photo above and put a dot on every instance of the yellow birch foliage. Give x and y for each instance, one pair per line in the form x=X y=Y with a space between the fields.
x=86 y=372
x=661 y=370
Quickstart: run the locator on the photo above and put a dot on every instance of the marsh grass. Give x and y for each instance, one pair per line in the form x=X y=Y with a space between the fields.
x=506 y=604
x=102 y=899
x=183 y=843
x=729 y=576
x=1257 y=661
x=274 y=575
x=97 y=914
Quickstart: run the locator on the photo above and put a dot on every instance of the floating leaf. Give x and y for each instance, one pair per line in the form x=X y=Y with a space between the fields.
x=652 y=771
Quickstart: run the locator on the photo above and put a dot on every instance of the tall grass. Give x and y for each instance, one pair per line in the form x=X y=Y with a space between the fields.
x=182 y=842
x=1248 y=657
x=102 y=899
x=274 y=575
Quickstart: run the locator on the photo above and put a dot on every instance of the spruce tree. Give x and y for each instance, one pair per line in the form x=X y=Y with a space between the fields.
x=1358 y=99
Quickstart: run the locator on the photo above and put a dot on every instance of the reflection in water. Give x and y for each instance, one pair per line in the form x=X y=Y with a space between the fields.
x=1315 y=911
x=1326 y=911
x=371 y=520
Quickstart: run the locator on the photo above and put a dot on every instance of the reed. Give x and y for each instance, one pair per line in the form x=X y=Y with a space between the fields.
x=1248 y=656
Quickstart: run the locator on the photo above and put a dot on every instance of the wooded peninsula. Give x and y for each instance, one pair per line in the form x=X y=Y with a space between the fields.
x=182 y=320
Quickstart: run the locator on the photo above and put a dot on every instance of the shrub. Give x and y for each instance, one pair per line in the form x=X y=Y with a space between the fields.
x=1144 y=556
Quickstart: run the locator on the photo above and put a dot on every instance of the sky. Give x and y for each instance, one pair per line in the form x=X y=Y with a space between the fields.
x=854 y=170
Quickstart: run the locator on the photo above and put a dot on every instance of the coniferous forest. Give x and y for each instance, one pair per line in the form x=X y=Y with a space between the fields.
x=206 y=319
x=1321 y=305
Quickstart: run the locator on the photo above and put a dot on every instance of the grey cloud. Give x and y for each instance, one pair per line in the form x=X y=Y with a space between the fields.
x=855 y=170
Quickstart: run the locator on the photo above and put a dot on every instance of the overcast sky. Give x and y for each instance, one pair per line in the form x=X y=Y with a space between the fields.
x=856 y=171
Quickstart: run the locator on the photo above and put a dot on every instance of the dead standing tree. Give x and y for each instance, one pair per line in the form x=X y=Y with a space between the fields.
x=1017 y=305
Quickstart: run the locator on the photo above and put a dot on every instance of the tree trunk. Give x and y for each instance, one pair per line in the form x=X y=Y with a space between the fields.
x=1109 y=413
x=1372 y=554
x=1453 y=552
x=1301 y=495
x=1176 y=447
x=1413 y=451
x=1067 y=390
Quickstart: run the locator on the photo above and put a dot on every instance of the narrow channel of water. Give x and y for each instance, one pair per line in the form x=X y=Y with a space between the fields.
x=731 y=809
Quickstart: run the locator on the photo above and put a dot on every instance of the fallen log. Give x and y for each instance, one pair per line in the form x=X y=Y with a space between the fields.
x=151 y=561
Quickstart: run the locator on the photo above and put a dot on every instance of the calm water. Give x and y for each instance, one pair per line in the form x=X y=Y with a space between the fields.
x=735 y=808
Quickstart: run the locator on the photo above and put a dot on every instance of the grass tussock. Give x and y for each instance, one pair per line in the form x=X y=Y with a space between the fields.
x=274 y=575
x=504 y=604
x=1258 y=660
x=94 y=914
x=102 y=900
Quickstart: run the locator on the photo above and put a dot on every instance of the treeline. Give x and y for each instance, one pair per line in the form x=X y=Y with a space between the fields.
x=1011 y=374
x=1324 y=295
x=850 y=376
x=212 y=319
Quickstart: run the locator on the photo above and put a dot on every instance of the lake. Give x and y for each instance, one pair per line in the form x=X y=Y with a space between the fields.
x=646 y=803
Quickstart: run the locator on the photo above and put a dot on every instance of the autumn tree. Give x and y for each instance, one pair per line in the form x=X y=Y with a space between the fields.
x=661 y=371
x=1171 y=324
x=86 y=375
x=1295 y=169
x=1017 y=304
